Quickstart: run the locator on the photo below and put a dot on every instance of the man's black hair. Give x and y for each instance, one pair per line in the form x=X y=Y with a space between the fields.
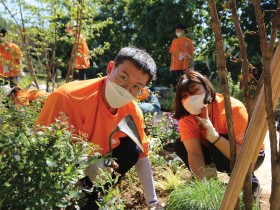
x=3 y=31
x=181 y=26
x=140 y=58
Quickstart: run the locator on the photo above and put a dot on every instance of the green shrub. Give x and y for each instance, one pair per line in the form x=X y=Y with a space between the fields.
x=39 y=165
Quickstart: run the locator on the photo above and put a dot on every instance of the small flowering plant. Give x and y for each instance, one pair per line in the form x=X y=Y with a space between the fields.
x=164 y=127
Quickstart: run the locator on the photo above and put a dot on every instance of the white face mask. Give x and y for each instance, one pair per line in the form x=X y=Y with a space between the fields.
x=178 y=34
x=194 y=104
x=116 y=95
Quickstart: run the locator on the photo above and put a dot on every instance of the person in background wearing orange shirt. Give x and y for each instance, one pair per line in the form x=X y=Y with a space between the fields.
x=25 y=97
x=203 y=127
x=96 y=106
x=182 y=51
x=148 y=101
x=81 y=50
x=10 y=59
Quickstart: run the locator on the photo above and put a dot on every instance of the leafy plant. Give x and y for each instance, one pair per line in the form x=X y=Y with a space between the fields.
x=39 y=165
x=169 y=181
x=112 y=196
x=164 y=127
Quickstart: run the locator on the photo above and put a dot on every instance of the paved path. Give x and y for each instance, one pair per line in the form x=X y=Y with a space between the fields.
x=264 y=175
x=264 y=172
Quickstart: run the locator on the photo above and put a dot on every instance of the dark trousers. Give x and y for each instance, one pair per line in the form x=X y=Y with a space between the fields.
x=176 y=74
x=80 y=74
x=8 y=81
x=126 y=155
x=213 y=155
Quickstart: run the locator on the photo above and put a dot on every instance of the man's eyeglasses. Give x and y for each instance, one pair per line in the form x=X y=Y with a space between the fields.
x=123 y=81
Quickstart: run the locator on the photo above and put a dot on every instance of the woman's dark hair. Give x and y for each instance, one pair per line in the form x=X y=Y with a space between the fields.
x=141 y=59
x=184 y=84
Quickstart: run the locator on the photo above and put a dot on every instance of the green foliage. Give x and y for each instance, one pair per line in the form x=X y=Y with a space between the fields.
x=39 y=165
x=199 y=195
x=234 y=88
x=165 y=97
x=164 y=77
x=112 y=196
x=112 y=25
x=169 y=181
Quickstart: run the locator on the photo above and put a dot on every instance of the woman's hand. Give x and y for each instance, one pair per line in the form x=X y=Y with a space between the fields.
x=210 y=133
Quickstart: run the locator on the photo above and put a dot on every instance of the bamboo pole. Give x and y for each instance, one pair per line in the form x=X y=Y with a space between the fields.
x=253 y=139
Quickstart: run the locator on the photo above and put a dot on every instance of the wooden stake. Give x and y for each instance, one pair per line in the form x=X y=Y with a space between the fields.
x=253 y=139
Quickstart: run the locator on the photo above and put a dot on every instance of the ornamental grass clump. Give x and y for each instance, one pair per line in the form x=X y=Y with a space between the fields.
x=197 y=195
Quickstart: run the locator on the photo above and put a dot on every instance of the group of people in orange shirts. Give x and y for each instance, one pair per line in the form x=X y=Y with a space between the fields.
x=96 y=107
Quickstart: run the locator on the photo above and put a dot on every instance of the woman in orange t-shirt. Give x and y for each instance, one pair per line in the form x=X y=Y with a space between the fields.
x=203 y=126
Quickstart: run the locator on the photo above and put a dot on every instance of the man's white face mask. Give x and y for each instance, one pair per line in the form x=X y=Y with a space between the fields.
x=116 y=95
x=178 y=34
x=193 y=104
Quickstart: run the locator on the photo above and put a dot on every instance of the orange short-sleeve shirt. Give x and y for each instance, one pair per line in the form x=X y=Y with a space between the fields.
x=82 y=57
x=189 y=128
x=182 y=51
x=82 y=102
x=10 y=56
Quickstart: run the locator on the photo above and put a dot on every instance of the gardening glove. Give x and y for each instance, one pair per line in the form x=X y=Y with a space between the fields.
x=95 y=169
x=143 y=169
x=210 y=132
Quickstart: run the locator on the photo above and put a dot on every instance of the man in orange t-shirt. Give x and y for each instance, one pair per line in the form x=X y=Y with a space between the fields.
x=10 y=59
x=96 y=106
x=182 y=51
x=81 y=51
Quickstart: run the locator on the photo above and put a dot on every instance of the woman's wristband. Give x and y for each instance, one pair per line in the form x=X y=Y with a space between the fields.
x=214 y=142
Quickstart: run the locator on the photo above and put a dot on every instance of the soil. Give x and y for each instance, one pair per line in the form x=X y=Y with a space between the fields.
x=134 y=197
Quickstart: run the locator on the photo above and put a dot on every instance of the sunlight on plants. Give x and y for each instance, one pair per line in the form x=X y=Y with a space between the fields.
x=169 y=180
x=199 y=195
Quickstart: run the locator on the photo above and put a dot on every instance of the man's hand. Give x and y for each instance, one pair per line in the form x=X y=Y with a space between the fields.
x=210 y=133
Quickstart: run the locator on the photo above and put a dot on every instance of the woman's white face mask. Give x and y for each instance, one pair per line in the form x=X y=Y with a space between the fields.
x=116 y=95
x=193 y=104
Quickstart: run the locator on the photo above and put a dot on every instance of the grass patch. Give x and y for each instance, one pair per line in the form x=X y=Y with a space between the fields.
x=197 y=195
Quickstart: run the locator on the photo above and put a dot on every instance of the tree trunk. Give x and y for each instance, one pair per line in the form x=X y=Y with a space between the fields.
x=266 y=54
x=222 y=72
x=247 y=188
x=72 y=63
